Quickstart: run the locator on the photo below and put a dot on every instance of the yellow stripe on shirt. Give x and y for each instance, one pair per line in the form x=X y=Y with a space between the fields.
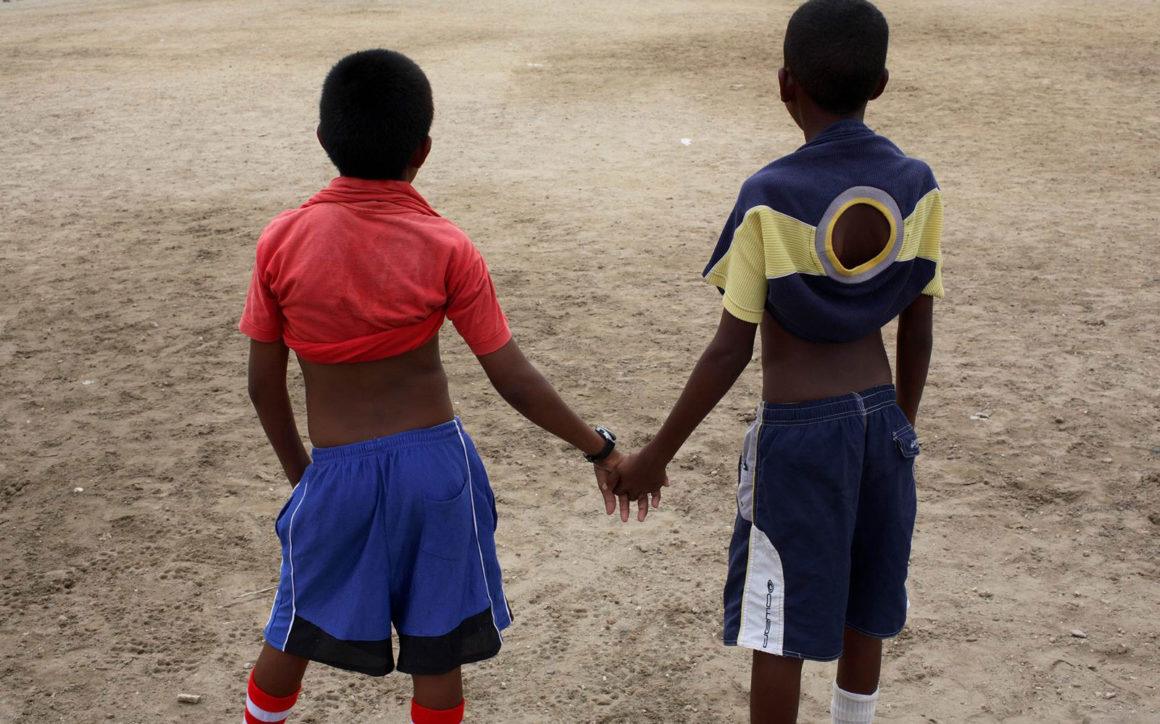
x=922 y=238
x=767 y=245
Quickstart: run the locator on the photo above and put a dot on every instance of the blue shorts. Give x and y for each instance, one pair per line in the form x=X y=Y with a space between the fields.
x=826 y=506
x=397 y=530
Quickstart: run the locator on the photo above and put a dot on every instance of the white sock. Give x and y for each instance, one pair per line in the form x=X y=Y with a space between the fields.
x=849 y=708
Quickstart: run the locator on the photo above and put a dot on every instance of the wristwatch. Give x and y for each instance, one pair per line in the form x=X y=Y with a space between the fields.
x=609 y=444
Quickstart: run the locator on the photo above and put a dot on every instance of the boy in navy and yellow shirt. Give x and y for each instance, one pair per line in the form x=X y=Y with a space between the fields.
x=823 y=248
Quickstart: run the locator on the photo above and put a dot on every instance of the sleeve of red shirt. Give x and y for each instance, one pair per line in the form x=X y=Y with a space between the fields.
x=471 y=302
x=261 y=319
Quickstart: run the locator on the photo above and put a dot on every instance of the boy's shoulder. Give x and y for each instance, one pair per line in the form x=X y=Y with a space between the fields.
x=804 y=183
x=346 y=218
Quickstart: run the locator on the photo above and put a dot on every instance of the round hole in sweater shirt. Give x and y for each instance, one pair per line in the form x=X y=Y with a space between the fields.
x=861 y=233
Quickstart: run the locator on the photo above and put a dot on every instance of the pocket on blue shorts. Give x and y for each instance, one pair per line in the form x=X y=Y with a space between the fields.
x=907 y=441
x=448 y=525
x=282 y=514
x=295 y=494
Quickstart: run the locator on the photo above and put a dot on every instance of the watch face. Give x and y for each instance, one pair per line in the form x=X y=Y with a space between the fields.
x=609 y=444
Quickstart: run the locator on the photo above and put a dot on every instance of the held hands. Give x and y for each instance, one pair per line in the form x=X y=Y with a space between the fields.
x=625 y=479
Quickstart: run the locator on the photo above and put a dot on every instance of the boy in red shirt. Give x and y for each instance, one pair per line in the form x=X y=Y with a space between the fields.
x=392 y=522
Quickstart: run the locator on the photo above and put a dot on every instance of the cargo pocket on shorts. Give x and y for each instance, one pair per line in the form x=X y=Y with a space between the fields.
x=907 y=441
x=747 y=470
x=448 y=525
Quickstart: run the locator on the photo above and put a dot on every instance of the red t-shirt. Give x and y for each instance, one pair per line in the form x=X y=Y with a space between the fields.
x=366 y=270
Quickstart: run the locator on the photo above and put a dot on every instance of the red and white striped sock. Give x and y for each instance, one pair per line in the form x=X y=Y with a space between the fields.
x=422 y=715
x=261 y=708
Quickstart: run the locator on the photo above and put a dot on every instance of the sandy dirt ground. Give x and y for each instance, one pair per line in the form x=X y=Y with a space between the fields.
x=143 y=146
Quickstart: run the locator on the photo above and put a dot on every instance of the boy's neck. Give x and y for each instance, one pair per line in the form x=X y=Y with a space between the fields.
x=814 y=120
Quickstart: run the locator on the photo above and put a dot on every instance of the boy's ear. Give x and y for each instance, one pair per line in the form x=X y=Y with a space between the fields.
x=420 y=155
x=318 y=135
x=881 y=84
x=786 y=85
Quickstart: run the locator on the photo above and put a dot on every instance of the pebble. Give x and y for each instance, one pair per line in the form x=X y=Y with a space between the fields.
x=1109 y=695
x=189 y=698
x=1078 y=633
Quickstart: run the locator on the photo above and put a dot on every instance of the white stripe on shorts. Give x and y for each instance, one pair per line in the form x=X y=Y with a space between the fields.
x=290 y=556
x=763 y=606
x=475 y=527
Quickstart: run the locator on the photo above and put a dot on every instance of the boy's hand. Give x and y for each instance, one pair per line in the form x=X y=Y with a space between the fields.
x=607 y=468
x=267 y=385
x=635 y=478
x=602 y=470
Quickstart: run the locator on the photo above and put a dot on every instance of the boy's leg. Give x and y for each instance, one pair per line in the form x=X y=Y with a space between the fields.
x=856 y=688
x=278 y=673
x=774 y=689
x=880 y=554
x=437 y=699
x=860 y=663
x=274 y=686
x=444 y=691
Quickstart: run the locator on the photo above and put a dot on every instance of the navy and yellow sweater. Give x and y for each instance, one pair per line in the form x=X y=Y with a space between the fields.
x=776 y=252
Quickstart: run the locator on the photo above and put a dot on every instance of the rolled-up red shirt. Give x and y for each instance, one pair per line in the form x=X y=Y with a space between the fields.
x=365 y=270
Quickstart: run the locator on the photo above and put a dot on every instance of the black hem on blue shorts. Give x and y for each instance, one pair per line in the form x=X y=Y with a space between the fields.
x=473 y=640
x=373 y=658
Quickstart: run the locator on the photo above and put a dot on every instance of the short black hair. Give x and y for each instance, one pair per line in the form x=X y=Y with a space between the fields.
x=375 y=112
x=836 y=51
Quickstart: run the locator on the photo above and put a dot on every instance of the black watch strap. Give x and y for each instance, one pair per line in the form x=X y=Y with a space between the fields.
x=609 y=444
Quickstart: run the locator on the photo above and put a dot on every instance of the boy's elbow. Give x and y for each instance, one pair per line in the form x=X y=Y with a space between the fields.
x=733 y=358
x=516 y=390
x=258 y=391
x=255 y=393
x=916 y=337
x=915 y=346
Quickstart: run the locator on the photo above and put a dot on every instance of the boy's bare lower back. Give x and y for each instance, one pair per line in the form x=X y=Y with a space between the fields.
x=795 y=370
x=348 y=403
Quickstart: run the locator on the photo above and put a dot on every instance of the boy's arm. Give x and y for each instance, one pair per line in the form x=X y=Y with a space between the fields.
x=525 y=389
x=912 y=355
x=718 y=368
x=267 y=387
